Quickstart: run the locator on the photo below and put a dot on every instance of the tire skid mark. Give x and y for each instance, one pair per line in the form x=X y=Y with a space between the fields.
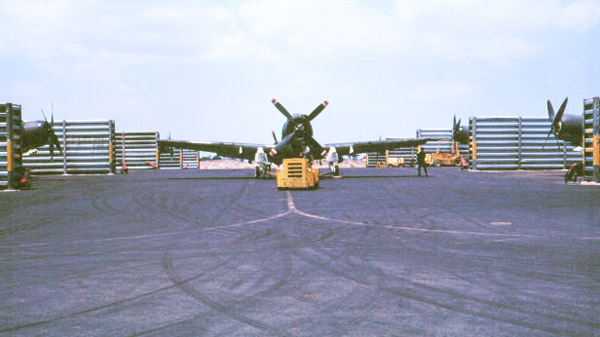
x=30 y=226
x=214 y=305
x=421 y=219
x=233 y=198
x=115 y=303
x=145 y=236
x=370 y=304
x=472 y=259
x=299 y=242
x=286 y=274
x=87 y=273
x=449 y=293
x=415 y=295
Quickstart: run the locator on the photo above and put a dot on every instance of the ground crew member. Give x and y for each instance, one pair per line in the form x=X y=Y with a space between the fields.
x=421 y=161
x=24 y=182
x=576 y=170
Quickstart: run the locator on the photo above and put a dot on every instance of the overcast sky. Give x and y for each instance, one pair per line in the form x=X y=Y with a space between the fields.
x=207 y=70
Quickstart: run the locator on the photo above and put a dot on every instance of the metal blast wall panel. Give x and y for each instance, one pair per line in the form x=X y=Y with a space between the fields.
x=513 y=143
x=10 y=145
x=373 y=158
x=88 y=147
x=591 y=127
x=180 y=159
x=136 y=149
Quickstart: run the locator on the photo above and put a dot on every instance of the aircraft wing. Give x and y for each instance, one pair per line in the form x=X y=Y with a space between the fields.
x=232 y=150
x=345 y=149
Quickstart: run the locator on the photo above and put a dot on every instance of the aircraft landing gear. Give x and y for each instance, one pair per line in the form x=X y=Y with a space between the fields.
x=261 y=171
x=335 y=170
x=257 y=172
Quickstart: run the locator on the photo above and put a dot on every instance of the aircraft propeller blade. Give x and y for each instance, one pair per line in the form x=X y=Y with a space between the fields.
x=274 y=137
x=283 y=110
x=43 y=114
x=555 y=119
x=317 y=111
x=52 y=138
x=546 y=141
x=550 y=111
x=285 y=141
x=50 y=134
x=560 y=113
x=56 y=142
x=455 y=128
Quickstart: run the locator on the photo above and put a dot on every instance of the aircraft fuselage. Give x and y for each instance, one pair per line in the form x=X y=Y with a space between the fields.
x=35 y=134
x=303 y=133
x=571 y=129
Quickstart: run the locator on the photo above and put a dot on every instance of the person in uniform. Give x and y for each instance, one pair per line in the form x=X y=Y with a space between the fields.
x=421 y=161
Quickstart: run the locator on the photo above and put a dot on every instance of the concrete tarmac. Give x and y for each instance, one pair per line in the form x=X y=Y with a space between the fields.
x=380 y=252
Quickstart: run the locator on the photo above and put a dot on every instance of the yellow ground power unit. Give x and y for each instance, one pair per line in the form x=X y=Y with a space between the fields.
x=297 y=173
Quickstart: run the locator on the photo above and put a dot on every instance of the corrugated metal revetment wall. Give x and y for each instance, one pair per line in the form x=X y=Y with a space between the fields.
x=591 y=127
x=180 y=159
x=10 y=145
x=444 y=145
x=88 y=147
x=136 y=149
x=408 y=153
x=512 y=143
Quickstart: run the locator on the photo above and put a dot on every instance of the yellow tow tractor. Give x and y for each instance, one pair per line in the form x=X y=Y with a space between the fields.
x=441 y=158
x=297 y=173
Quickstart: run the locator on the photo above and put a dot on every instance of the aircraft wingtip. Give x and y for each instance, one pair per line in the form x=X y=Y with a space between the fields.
x=325 y=103
x=273 y=101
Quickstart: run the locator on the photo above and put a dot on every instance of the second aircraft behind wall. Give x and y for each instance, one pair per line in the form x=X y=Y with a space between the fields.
x=296 y=141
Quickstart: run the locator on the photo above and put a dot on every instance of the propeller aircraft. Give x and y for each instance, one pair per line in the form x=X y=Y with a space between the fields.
x=37 y=134
x=296 y=141
x=565 y=126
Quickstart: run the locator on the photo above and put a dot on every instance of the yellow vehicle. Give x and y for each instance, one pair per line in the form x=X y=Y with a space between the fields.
x=297 y=173
x=438 y=158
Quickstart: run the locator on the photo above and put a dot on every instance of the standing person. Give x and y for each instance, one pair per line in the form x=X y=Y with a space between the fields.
x=421 y=161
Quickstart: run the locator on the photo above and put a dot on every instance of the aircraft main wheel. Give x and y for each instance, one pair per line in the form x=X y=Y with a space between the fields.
x=257 y=172
x=336 y=170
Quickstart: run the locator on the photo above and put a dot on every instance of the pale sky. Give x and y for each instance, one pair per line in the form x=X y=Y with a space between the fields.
x=207 y=70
